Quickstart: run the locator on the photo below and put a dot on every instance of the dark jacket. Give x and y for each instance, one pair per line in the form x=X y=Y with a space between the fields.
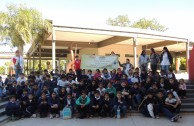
x=118 y=103
x=52 y=101
x=95 y=101
x=72 y=103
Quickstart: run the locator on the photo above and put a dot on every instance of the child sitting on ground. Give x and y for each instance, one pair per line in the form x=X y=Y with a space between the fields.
x=182 y=88
x=106 y=106
x=96 y=104
x=13 y=109
x=54 y=105
x=69 y=102
x=120 y=103
x=43 y=105
x=172 y=103
x=83 y=105
x=31 y=107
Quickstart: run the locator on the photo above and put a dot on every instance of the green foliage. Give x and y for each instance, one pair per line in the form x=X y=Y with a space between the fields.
x=149 y=24
x=2 y=70
x=121 y=20
x=183 y=62
x=23 y=25
x=124 y=21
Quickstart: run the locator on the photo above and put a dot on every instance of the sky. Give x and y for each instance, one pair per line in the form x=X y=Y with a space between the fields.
x=176 y=15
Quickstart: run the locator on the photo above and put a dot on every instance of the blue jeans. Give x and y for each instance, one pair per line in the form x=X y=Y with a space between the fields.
x=123 y=109
x=165 y=68
x=17 y=72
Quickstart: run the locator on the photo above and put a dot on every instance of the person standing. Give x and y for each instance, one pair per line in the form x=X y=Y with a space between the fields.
x=77 y=64
x=154 y=60
x=126 y=66
x=165 y=60
x=18 y=63
x=143 y=61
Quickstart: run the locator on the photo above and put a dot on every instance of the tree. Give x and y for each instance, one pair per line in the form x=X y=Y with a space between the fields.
x=23 y=25
x=123 y=21
x=149 y=24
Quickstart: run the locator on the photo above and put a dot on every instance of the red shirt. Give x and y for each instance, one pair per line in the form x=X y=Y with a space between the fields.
x=77 y=64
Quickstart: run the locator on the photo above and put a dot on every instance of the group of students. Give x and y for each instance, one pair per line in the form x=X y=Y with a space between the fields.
x=100 y=94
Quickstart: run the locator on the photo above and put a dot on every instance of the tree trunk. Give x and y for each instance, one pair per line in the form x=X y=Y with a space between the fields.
x=21 y=49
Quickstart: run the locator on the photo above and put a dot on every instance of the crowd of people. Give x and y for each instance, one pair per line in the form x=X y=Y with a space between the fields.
x=99 y=93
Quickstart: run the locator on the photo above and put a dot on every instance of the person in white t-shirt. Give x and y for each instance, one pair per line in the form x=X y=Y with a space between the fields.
x=101 y=89
x=18 y=63
x=21 y=79
x=63 y=82
x=172 y=103
x=165 y=60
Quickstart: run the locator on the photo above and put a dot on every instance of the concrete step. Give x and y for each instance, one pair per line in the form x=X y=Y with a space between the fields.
x=2 y=112
x=188 y=100
x=4 y=119
x=3 y=104
x=190 y=90
x=190 y=86
x=4 y=99
x=187 y=105
x=186 y=110
x=190 y=95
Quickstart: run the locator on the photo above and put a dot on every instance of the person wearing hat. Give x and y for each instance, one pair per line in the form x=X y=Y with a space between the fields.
x=18 y=63
x=165 y=60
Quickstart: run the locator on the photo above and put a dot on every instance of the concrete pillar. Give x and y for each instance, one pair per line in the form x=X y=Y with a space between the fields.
x=177 y=62
x=135 y=52
x=33 y=62
x=30 y=64
x=53 y=49
x=187 y=56
x=40 y=64
x=27 y=66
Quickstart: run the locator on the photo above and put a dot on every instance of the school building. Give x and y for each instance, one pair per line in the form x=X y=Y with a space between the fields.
x=65 y=41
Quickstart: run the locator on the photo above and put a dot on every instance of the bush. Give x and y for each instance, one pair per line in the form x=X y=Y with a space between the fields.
x=2 y=70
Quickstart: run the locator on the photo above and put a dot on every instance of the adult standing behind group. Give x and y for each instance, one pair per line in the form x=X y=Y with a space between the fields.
x=165 y=60
x=77 y=67
x=126 y=66
x=18 y=63
x=143 y=61
x=154 y=60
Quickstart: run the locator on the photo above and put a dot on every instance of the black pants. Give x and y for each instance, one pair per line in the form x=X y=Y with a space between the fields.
x=83 y=111
x=95 y=110
x=54 y=110
x=43 y=108
x=106 y=110
x=154 y=69
x=78 y=73
x=13 y=111
x=182 y=93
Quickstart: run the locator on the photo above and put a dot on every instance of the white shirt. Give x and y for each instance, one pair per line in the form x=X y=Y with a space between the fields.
x=102 y=91
x=171 y=101
x=63 y=83
x=165 y=60
x=19 y=60
x=134 y=79
x=183 y=86
x=20 y=80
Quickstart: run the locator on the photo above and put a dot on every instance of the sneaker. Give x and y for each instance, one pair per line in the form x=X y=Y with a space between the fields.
x=57 y=115
x=51 y=116
x=175 y=118
x=34 y=116
x=157 y=117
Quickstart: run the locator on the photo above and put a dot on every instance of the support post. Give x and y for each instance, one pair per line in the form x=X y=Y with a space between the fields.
x=53 y=50
x=135 y=52
x=40 y=63
x=27 y=66
x=33 y=62
x=187 y=56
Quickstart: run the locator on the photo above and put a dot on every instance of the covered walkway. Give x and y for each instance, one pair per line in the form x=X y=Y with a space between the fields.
x=64 y=41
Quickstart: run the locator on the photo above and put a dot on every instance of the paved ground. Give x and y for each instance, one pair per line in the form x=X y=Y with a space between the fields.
x=135 y=120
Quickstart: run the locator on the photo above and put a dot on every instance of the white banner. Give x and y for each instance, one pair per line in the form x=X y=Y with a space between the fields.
x=99 y=62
